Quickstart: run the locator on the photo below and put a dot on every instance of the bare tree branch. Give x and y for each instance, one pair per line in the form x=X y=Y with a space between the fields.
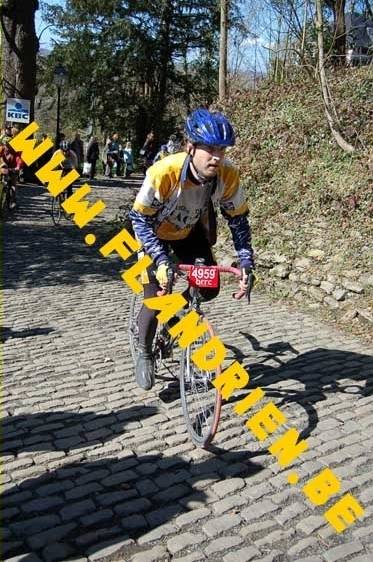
x=329 y=108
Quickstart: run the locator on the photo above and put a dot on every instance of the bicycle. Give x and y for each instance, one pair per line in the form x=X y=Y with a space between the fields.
x=8 y=193
x=57 y=210
x=200 y=401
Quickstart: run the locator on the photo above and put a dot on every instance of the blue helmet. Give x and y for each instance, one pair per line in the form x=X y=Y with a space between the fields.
x=210 y=128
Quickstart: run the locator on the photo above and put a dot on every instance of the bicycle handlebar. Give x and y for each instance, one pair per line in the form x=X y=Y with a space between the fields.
x=222 y=269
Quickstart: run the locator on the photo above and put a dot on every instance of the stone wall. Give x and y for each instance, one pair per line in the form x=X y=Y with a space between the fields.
x=314 y=278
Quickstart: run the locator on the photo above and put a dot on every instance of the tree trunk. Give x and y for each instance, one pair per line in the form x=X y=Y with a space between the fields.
x=340 y=31
x=19 y=46
x=223 y=49
x=328 y=104
x=165 y=59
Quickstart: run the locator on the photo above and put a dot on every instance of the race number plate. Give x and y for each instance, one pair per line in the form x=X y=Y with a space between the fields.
x=204 y=276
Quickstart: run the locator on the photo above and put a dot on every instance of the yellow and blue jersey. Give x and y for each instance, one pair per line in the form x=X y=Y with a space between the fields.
x=169 y=204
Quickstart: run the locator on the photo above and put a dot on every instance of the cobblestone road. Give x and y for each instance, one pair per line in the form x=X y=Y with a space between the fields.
x=94 y=468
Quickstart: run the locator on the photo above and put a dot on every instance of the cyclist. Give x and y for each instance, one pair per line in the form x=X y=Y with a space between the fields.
x=10 y=163
x=175 y=209
x=70 y=162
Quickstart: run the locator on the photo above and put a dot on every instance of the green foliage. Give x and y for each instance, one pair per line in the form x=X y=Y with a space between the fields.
x=129 y=62
x=294 y=172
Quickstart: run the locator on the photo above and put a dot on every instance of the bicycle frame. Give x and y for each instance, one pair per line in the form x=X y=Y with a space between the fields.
x=201 y=402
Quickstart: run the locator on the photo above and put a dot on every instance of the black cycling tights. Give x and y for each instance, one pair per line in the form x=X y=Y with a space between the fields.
x=186 y=250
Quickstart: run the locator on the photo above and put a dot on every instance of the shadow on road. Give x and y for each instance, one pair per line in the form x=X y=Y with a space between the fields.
x=41 y=254
x=83 y=508
x=66 y=431
x=320 y=371
x=7 y=333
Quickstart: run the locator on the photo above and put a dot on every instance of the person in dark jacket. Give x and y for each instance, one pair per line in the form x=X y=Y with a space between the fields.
x=114 y=151
x=93 y=153
x=77 y=146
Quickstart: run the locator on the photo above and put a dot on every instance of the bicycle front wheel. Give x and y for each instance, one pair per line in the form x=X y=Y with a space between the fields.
x=200 y=401
x=56 y=210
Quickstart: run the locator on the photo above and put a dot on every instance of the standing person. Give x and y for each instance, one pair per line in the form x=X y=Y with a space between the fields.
x=114 y=150
x=149 y=149
x=128 y=157
x=6 y=134
x=93 y=153
x=174 y=209
x=77 y=146
x=107 y=159
x=173 y=145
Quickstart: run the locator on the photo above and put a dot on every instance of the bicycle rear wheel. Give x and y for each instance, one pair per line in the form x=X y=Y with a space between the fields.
x=200 y=401
x=56 y=210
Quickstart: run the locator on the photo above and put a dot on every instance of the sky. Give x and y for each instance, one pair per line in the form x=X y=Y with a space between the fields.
x=248 y=55
x=40 y=24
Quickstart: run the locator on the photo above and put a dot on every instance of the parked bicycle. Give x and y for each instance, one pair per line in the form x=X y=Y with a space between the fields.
x=200 y=400
x=8 y=193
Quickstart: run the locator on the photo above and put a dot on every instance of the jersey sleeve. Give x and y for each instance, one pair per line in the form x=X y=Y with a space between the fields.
x=154 y=192
x=144 y=229
x=235 y=209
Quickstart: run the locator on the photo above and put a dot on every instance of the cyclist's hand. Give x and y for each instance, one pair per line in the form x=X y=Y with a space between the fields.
x=164 y=270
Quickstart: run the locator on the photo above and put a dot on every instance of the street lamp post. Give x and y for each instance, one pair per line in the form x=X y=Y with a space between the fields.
x=60 y=78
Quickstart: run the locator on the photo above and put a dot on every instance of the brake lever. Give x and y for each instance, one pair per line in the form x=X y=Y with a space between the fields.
x=250 y=285
x=247 y=292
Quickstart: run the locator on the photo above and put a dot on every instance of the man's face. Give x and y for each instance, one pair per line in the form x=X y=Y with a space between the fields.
x=207 y=159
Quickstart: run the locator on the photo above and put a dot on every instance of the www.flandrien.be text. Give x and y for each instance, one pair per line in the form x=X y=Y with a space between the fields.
x=320 y=489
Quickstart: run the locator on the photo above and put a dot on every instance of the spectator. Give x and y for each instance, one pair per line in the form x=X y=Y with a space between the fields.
x=128 y=158
x=107 y=159
x=173 y=145
x=149 y=150
x=77 y=147
x=6 y=134
x=93 y=153
x=114 y=151
x=162 y=153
